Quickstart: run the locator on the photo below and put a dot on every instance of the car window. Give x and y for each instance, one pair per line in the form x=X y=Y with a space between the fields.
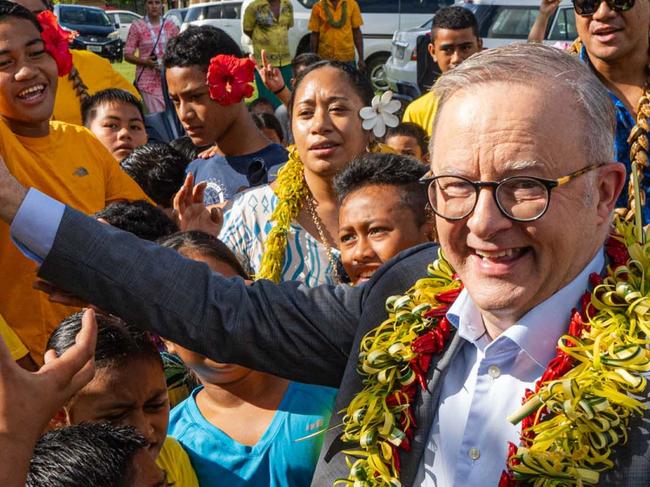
x=194 y=14
x=114 y=17
x=85 y=16
x=212 y=12
x=231 y=11
x=420 y=6
x=564 y=28
x=512 y=22
x=128 y=18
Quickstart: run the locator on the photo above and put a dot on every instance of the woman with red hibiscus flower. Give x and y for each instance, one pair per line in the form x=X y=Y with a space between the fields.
x=60 y=159
x=88 y=73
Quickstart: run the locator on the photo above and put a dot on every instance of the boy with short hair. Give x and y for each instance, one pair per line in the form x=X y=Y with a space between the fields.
x=454 y=38
x=244 y=161
x=408 y=139
x=140 y=218
x=117 y=120
x=382 y=211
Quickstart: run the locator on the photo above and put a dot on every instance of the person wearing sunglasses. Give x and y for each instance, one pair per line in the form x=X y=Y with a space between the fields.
x=614 y=42
x=524 y=187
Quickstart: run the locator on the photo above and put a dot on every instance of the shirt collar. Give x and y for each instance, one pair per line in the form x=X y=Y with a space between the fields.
x=537 y=332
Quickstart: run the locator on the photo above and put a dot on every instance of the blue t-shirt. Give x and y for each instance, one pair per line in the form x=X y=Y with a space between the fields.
x=277 y=460
x=227 y=175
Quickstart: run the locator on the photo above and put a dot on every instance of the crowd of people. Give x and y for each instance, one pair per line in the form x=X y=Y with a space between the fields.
x=316 y=284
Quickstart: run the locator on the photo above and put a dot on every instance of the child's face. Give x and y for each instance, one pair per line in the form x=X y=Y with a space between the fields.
x=28 y=77
x=119 y=127
x=209 y=371
x=374 y=225
x=133 y=394
x=204 y=120
x=405 y=145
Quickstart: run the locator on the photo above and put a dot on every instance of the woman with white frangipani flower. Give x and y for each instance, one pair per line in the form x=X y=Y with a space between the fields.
x=381 y=114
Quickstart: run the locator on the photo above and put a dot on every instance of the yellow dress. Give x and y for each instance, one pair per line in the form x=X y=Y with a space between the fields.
x=97 y=74
x=421 y=111
x=71 y=165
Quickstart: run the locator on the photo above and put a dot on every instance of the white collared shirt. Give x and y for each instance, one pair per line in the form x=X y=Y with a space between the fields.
x=485 y=382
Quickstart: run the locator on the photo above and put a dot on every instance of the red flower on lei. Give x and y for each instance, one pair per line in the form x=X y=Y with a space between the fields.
x=57 y=41
x=230 y=78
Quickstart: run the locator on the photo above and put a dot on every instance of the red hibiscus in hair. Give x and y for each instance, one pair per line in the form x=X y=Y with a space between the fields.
x=57 y=41
x=230 y=78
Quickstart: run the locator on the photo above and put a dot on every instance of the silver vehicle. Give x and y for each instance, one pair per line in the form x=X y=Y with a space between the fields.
x=123 y=20
x=500 y=22
x=226 y=15
x=381 y=18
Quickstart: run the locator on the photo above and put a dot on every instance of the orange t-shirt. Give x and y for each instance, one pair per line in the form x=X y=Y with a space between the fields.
x=71 y=165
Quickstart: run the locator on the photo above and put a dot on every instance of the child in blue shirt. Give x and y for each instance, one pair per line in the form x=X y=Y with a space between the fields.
x=242 y=427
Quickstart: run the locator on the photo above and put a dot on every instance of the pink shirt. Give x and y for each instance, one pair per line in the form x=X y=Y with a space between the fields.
x=142 y=37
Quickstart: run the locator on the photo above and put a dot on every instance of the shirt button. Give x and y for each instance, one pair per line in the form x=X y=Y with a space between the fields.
x=474 y=453
x=494 y=371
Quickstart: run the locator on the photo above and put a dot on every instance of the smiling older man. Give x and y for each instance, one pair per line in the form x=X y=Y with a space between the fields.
x=524 y=191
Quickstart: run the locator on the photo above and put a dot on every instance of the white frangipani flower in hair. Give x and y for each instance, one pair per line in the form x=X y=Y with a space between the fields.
x=381 y=114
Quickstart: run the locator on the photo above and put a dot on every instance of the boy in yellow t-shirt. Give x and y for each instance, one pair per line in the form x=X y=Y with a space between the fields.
x=335 y=30
x=454 y=38
x=62 y=160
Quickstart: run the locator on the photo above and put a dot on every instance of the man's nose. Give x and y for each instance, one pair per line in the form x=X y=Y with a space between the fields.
x=487 y=220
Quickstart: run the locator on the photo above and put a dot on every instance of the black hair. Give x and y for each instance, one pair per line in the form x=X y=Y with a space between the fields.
x=454 y=18
x=359 y=81
x=89 y=105
x=205 y=245
x=410 y=129
x=384 y=169
x=97 y=454
x=118 y=343
x=260 y=100
x=11 y=9
x=268 y=121
x=185 y=146
x=301 y=61
x=140 y=217
x=197 y=45
x=159 y=169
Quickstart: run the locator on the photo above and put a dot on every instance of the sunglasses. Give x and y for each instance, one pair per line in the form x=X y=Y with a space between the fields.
x=589 y=7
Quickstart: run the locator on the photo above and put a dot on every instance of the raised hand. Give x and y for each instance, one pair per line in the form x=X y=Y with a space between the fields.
x=271 y=76
x=547 y=7
x=190 y=211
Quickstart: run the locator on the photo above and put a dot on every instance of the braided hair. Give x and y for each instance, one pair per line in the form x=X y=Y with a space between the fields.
x=638 y=140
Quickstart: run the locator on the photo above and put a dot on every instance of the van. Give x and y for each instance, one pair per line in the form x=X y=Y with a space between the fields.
x=381 y=18
x=226 y=15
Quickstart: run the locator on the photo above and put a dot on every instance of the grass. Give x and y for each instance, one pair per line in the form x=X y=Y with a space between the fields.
x=125 y=69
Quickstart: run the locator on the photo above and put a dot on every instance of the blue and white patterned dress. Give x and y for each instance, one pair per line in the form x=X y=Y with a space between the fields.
x=247 y=226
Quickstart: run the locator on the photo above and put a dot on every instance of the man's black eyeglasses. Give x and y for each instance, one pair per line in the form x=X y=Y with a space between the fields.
x=519 y=198
x=589 y=7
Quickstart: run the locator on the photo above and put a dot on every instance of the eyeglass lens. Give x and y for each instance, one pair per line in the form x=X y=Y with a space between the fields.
x=589 y=7
x=520 y=198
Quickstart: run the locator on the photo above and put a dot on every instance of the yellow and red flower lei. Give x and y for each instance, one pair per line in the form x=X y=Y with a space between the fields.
x=580 y=408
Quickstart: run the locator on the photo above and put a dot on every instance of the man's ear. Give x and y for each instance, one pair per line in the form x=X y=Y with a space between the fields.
x=432 y=52
x=60 y=420
x=610 y=182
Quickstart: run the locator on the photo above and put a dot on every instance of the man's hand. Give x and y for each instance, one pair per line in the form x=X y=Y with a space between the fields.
x=192 y=214
x=12 y=194
x=271 y=76
x=28 y=400
x=361 y=65
x=547 y=7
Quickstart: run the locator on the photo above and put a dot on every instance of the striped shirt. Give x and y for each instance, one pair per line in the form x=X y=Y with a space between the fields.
x=247 y=226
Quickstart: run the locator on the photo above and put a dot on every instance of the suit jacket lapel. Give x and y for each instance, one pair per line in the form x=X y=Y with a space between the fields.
x=426 y=405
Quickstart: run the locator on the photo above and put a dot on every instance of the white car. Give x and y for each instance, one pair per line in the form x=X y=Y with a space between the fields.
x=500 y=22
x=381 y=18
x=226 y=15
x=123 y=20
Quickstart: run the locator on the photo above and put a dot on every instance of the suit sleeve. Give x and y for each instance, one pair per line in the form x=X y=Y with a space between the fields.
x=289 y=330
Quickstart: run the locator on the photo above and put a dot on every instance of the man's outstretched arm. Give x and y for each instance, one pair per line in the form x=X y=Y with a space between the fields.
x=288 y=330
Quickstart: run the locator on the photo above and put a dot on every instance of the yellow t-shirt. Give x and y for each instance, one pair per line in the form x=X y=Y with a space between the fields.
x=97 y=74
x=335 y=43
x=71 y=165
x=174 y=460
x=421 y=111
x=15 y=346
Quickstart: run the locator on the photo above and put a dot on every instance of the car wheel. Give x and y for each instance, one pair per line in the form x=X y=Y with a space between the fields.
x=377 y=72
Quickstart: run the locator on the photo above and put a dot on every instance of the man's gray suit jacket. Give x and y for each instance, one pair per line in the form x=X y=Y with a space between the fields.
x=304 y=334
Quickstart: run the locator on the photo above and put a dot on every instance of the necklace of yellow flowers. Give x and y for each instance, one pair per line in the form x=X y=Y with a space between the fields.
x=580 y=408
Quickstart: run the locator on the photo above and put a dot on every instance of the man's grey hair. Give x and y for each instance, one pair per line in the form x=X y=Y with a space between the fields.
x=551 y=70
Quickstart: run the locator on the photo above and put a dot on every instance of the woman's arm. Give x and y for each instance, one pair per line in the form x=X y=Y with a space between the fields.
x=546 y=10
